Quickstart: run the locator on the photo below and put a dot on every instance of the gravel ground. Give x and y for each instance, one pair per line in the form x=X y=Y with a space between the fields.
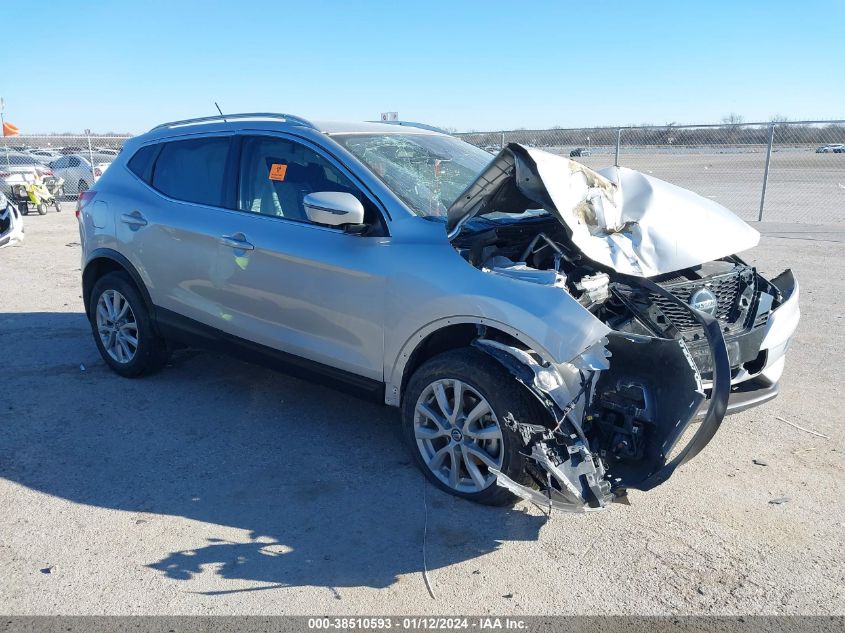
x=217 y=487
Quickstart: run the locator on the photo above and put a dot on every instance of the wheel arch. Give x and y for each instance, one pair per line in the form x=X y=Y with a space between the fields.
x=444 y=335
x=104 y=261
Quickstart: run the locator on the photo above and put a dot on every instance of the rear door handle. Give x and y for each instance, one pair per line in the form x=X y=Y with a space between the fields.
x=133 y=219
x=238 y=240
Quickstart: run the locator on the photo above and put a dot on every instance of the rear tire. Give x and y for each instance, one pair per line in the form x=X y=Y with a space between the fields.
x=481 y=380
x=122 y=328
x=41 y=208
x=81 y=187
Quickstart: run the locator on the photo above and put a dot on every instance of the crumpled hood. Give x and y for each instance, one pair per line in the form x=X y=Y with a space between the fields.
x=618 y=217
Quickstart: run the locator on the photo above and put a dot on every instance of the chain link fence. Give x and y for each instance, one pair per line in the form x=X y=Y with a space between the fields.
x=777 y=172
x=68 y=164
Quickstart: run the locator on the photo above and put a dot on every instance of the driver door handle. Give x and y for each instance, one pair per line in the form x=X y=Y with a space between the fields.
x=238 y=240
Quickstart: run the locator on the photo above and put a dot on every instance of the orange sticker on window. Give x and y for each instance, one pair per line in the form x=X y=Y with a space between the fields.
x=278 y=171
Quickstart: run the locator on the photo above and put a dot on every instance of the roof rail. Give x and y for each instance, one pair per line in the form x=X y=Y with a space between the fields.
x=246 y=115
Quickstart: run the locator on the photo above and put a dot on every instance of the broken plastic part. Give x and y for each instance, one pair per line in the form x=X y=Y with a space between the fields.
x=548 y=498
x=595 y=289
x=645 y=399
x=519 y=270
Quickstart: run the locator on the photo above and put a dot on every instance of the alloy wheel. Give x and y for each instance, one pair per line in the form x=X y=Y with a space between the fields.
x=458 y=435
x=116 y=326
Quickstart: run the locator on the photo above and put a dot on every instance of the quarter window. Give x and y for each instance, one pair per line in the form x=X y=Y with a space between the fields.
x=142 y=162
x=193 y=170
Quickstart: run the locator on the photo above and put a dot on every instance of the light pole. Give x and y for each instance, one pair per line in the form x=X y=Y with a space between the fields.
x=90 y=154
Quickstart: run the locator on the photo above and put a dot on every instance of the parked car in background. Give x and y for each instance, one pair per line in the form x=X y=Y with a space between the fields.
x=11 y=223
x=580 y=151
x=45 y=155
x=107 y=151
x=17 y=168
x=78 y=173
x=831 y=148
x=547 y=330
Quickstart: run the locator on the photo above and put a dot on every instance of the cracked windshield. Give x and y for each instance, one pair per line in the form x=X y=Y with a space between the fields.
x=427 y=172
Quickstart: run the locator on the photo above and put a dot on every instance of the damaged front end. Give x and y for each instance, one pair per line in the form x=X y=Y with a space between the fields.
x=690 y=322
x=619 y=412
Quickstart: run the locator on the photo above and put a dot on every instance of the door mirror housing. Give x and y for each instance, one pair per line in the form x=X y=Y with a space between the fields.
x=333 y=208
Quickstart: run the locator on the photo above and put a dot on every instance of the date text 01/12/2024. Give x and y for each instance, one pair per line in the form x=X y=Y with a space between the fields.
x=486 y=623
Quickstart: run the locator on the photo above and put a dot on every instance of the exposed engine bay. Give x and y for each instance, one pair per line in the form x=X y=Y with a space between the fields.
x=537 y=250
x=622 y=413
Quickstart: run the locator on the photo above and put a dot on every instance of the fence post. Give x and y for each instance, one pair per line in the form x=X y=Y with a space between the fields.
x=90 y=155
x=503 y=141
x=618 y=143
x=766 y=171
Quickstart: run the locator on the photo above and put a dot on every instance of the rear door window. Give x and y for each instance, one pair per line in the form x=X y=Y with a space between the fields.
x=193 y=170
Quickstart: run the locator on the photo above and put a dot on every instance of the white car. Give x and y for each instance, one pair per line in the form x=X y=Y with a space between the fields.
x=830 y=148
x=77 y=171
x=44 y=155
x=17 y=168
x=11 y=223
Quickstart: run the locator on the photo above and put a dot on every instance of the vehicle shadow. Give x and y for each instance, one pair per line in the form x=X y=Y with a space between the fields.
x=320 y=481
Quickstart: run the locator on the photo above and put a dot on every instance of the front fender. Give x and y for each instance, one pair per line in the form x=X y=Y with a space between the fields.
x=565 y=330
x=393 y=395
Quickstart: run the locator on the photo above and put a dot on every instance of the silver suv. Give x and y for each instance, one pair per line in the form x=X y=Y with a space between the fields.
x=548 y=331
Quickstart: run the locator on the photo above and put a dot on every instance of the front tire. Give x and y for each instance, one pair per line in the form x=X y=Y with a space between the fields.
x=453 y=417
x=122 y=328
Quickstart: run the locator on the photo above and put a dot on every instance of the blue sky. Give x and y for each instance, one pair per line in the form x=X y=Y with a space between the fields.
x=125 y=66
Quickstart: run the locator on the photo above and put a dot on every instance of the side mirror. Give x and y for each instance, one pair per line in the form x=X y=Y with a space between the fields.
x=333 y=208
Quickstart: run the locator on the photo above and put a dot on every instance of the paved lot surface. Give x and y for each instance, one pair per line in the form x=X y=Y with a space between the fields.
x=217 y=487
